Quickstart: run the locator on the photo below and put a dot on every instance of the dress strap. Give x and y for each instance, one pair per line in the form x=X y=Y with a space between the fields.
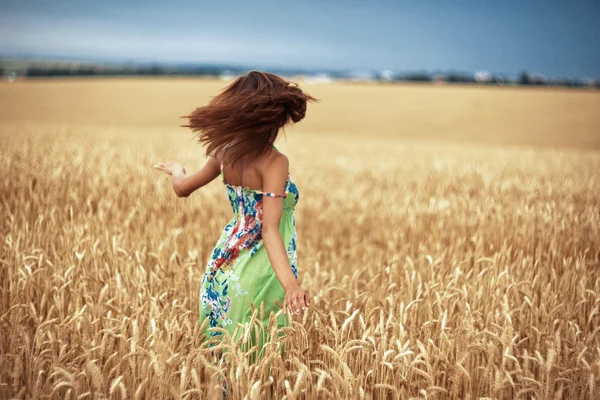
x=222 y=175
x=270 y=194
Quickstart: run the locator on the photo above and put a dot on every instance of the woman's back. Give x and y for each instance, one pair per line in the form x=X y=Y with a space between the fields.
x=247 y=173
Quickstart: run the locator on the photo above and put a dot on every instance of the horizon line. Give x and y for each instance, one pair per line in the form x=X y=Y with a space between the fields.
x=32 y=56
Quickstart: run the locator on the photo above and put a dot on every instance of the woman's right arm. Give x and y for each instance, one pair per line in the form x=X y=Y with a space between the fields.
x=186 y=185
x=274 y=180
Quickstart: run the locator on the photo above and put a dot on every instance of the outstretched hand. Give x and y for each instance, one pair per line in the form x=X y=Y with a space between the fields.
x=170 y=167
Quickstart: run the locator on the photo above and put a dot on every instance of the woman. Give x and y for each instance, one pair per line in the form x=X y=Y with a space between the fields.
x=254 y=260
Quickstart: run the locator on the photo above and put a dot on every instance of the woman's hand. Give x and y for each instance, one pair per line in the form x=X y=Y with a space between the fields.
x=170 y=168
x=296 y=300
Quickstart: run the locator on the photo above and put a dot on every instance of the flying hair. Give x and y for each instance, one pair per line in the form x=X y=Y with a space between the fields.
x=247 y=115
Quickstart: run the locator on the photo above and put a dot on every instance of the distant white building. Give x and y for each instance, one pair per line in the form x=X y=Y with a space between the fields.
x=589 y=82
x=538 y=79
x=361 y=76
x=483 y=77
x=228 y=75
x=318 y=78
x=438 y=78
x=387 y=75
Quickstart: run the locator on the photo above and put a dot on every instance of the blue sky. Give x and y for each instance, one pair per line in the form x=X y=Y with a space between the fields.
x=555 y=38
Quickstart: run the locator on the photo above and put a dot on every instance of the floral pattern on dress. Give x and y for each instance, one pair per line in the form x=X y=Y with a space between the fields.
x=291 y=251
x=217 y=297
x=243 y=232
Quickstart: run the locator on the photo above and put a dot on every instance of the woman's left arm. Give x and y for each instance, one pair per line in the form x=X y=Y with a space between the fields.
x=186 y=185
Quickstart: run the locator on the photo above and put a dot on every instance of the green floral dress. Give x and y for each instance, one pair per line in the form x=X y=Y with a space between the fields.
x=239 y=272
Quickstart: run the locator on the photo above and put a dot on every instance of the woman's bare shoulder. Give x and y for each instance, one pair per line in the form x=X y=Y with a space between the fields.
x=274 y=160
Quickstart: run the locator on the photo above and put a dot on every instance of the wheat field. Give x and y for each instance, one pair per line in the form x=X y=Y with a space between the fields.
x=449 y=237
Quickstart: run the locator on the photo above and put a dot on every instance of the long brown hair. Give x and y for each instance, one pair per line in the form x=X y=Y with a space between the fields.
x=247 y=115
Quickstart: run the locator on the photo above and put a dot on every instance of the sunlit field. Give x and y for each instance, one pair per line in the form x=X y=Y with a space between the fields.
x=449 y=236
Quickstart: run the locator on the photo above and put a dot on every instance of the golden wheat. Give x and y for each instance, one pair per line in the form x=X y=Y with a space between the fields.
x=439 y=269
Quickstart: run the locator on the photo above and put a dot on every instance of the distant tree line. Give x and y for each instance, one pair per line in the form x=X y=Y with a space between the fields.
x=93 y=70
x=524 y=79
x=59 y=69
